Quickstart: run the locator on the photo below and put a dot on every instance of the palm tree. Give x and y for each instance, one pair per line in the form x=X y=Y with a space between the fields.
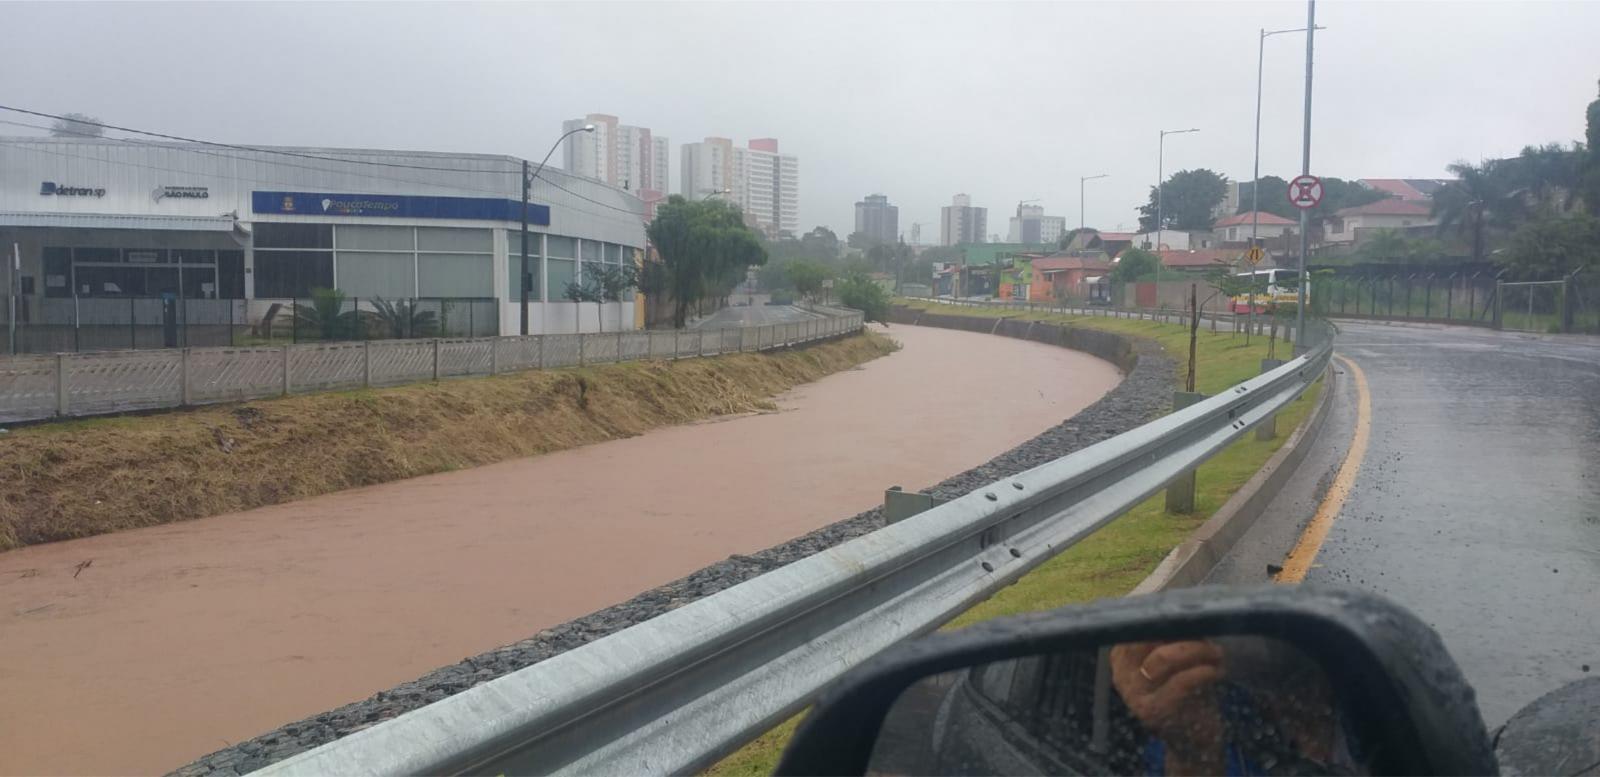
x=401 y=318
x=1385 y=245
x=326 y=316
x=1476 y=199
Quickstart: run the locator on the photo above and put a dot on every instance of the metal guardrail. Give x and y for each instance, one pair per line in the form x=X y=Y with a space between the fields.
x=84 y=384
x=673 y=694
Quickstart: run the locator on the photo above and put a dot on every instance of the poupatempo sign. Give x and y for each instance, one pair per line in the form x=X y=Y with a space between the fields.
x=53 y=189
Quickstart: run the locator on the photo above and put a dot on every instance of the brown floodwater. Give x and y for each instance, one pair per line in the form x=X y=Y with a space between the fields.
x=178 y=640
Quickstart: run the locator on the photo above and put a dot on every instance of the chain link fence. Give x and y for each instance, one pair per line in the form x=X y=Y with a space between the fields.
x=36 y=387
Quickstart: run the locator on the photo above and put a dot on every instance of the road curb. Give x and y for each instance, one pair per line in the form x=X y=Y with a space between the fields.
x=1194 y=558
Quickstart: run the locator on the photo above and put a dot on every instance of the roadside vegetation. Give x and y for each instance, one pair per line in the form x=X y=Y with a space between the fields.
x=80 y=478
x=1113 y=560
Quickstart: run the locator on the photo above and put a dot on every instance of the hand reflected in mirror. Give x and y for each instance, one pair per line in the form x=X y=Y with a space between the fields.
x=1171 y=688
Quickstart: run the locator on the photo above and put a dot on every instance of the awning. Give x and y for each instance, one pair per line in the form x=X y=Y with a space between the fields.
x=115 y=221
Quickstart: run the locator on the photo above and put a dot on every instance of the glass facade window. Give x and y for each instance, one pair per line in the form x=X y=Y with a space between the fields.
x=284 y=274
x=377 y=274
x=561 y=272
x=294 y=235
x=591 y=250
x=374 y=238
x=475 y=241
x=455 y=275
x=561 y=247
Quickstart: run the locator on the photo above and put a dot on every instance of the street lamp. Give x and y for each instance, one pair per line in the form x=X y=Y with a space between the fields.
x=1161 y=174
x=1255 y=172
x=709 y=193
x=527 y=187
x=1081 y=224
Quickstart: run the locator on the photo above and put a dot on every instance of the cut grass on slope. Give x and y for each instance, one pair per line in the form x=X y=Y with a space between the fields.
x=79 y=478
x=1111 y=561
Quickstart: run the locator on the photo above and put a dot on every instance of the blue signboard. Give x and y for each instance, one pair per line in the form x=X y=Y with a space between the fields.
x=395 y=206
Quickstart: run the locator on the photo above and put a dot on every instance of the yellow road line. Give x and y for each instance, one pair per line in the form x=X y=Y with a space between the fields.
x=1305 y=551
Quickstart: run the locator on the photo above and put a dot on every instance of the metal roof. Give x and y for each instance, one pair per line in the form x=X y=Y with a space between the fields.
x=117 y=221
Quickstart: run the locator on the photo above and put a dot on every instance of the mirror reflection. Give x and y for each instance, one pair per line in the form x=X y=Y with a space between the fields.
x=1237 y=705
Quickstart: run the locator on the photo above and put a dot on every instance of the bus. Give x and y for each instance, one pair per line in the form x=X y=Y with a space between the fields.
x=1272 y=288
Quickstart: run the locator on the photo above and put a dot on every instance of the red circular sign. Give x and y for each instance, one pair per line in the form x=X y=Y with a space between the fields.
x=1305 y=191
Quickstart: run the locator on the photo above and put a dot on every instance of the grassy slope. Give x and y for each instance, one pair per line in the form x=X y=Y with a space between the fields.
x=1112 y=561
x=79 y=478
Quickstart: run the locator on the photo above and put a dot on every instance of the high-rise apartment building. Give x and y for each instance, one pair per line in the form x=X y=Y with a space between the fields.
x=764 y=183
x=1030 y=225
x=959 y=222
x=621 y=155
x=877 y=219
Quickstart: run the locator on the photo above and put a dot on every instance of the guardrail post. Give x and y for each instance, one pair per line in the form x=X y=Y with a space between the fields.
x=366 y=364
x=436 y=359
x=61 y=384
x=286 y=370
x=183 y=378
x=1180 y=492
x=1268 y=429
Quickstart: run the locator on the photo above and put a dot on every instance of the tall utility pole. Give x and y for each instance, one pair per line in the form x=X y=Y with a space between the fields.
x=1161 y=175
x=1305 y=169
x=1081 y=223
x=522 y=277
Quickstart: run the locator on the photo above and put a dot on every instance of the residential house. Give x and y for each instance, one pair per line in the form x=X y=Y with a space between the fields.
x=1016 y=279
x=1408 y=189
x=1176 y=239
x=1065 y=276
x=1347 y=224
x=1199 y=260
x=1237 y=228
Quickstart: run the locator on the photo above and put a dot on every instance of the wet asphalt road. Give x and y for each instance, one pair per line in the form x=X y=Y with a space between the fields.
x=1477 y=504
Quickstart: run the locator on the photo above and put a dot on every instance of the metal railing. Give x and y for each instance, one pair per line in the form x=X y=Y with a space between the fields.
x=1217 y=318
x=75 y=324
x=673 y=694
x=84 y=384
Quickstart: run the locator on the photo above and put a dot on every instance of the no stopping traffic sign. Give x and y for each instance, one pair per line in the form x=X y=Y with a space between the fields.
x=1305 y=191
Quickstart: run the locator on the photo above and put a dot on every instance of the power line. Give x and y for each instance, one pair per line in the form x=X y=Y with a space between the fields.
x=253 y=149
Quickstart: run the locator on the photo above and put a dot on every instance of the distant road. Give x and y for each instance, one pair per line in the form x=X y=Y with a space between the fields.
x=753 y=315
x=1476 y=504
x=181 y=639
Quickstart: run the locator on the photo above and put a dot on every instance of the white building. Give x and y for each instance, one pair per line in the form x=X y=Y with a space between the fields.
x=1347 y=224
x=1031 y=226
x=959 y=222
x=105 y=225
x=621 y=155
x=764 y=183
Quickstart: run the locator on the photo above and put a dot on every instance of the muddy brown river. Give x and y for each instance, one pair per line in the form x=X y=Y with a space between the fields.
x=178 y=640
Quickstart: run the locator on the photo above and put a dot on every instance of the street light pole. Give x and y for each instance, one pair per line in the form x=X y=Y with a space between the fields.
x=1305 y=169
x=1255 y=172
x=1161 y=150
x=527 y=190
x=1081 y=223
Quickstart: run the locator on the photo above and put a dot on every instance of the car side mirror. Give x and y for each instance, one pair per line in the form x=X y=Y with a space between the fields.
x=1271 y=680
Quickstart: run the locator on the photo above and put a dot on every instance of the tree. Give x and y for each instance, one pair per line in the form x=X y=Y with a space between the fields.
x=1385 y=245
x=1134 y=263
x=587 y=291
x=1187 y=200
x=858 y=290
x=860 y=241
x=807 y=277
x=613 y=282
x=1337 y=194
x=77 y=125
x=705 y=250
x=1553 y=245
x=326 y=316
x=1476 y=200
x=1591 y=165
x=820 y=243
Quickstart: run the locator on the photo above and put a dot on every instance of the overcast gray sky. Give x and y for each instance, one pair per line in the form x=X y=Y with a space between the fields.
x=1004 y=101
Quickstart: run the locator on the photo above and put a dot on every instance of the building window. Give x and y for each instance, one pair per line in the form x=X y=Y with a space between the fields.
x=285 y=274
x=514 y=264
